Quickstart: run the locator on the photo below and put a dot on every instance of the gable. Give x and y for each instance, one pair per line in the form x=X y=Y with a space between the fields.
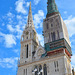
x=39 y=51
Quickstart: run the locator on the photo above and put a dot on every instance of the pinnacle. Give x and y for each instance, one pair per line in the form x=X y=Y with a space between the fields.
x=30 y=7
x=30 y=18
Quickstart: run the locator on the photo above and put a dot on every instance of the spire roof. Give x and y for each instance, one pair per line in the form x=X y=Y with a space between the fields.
x=30 y=18
x=51 y=8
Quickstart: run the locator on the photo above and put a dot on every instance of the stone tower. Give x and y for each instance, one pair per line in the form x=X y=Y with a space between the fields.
x=29 y=40
x=56 y=39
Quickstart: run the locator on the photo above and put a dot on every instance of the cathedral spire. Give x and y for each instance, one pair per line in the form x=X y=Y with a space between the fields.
x=30 y=18
x=51 y=8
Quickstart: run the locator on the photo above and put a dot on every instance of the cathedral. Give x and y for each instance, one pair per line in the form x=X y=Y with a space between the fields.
x=55 y=57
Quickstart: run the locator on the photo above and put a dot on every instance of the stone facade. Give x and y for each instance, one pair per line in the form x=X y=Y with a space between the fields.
x=63 y=68
x=34 y=59
x=57 y=25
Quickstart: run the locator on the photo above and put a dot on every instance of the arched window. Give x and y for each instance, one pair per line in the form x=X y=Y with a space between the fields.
x=45 y=69
x=40 y=70
x=27 y=52
x=56 y=66
x=36 y=70
x=24 y=71
x=53 y=36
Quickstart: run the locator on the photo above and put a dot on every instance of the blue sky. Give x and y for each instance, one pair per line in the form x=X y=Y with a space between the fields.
x=13 y=18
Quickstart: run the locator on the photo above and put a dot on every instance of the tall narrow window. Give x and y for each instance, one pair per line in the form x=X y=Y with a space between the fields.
x=53 y=36
x=24 y=71
x=45 y=69
x=56 y=66
x=51 y=25
x=40 y=70
x=27 y=52
x=36 y=72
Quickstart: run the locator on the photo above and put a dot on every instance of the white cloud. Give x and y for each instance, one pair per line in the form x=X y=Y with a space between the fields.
x=9 y=14
x=20 y=6
x=9 y=62
x=9 y=17
x=17 y=29
x=41 y=39
x=1 y=34
x=10 y=28
x=65 y=12
x=16 y=51
x=27 y=4
x=9 y=39
x=36 y=2
x=38 y=18
x=19 y=17
x=70 y=22
x=16 y=24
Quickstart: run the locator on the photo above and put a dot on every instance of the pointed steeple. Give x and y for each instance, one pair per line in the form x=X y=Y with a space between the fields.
x=51 y=8
x=30 y=18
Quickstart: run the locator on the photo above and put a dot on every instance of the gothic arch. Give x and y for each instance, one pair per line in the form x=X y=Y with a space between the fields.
x=45 y=69
x=36 y=72
x=53 y=36
x=40 y=68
